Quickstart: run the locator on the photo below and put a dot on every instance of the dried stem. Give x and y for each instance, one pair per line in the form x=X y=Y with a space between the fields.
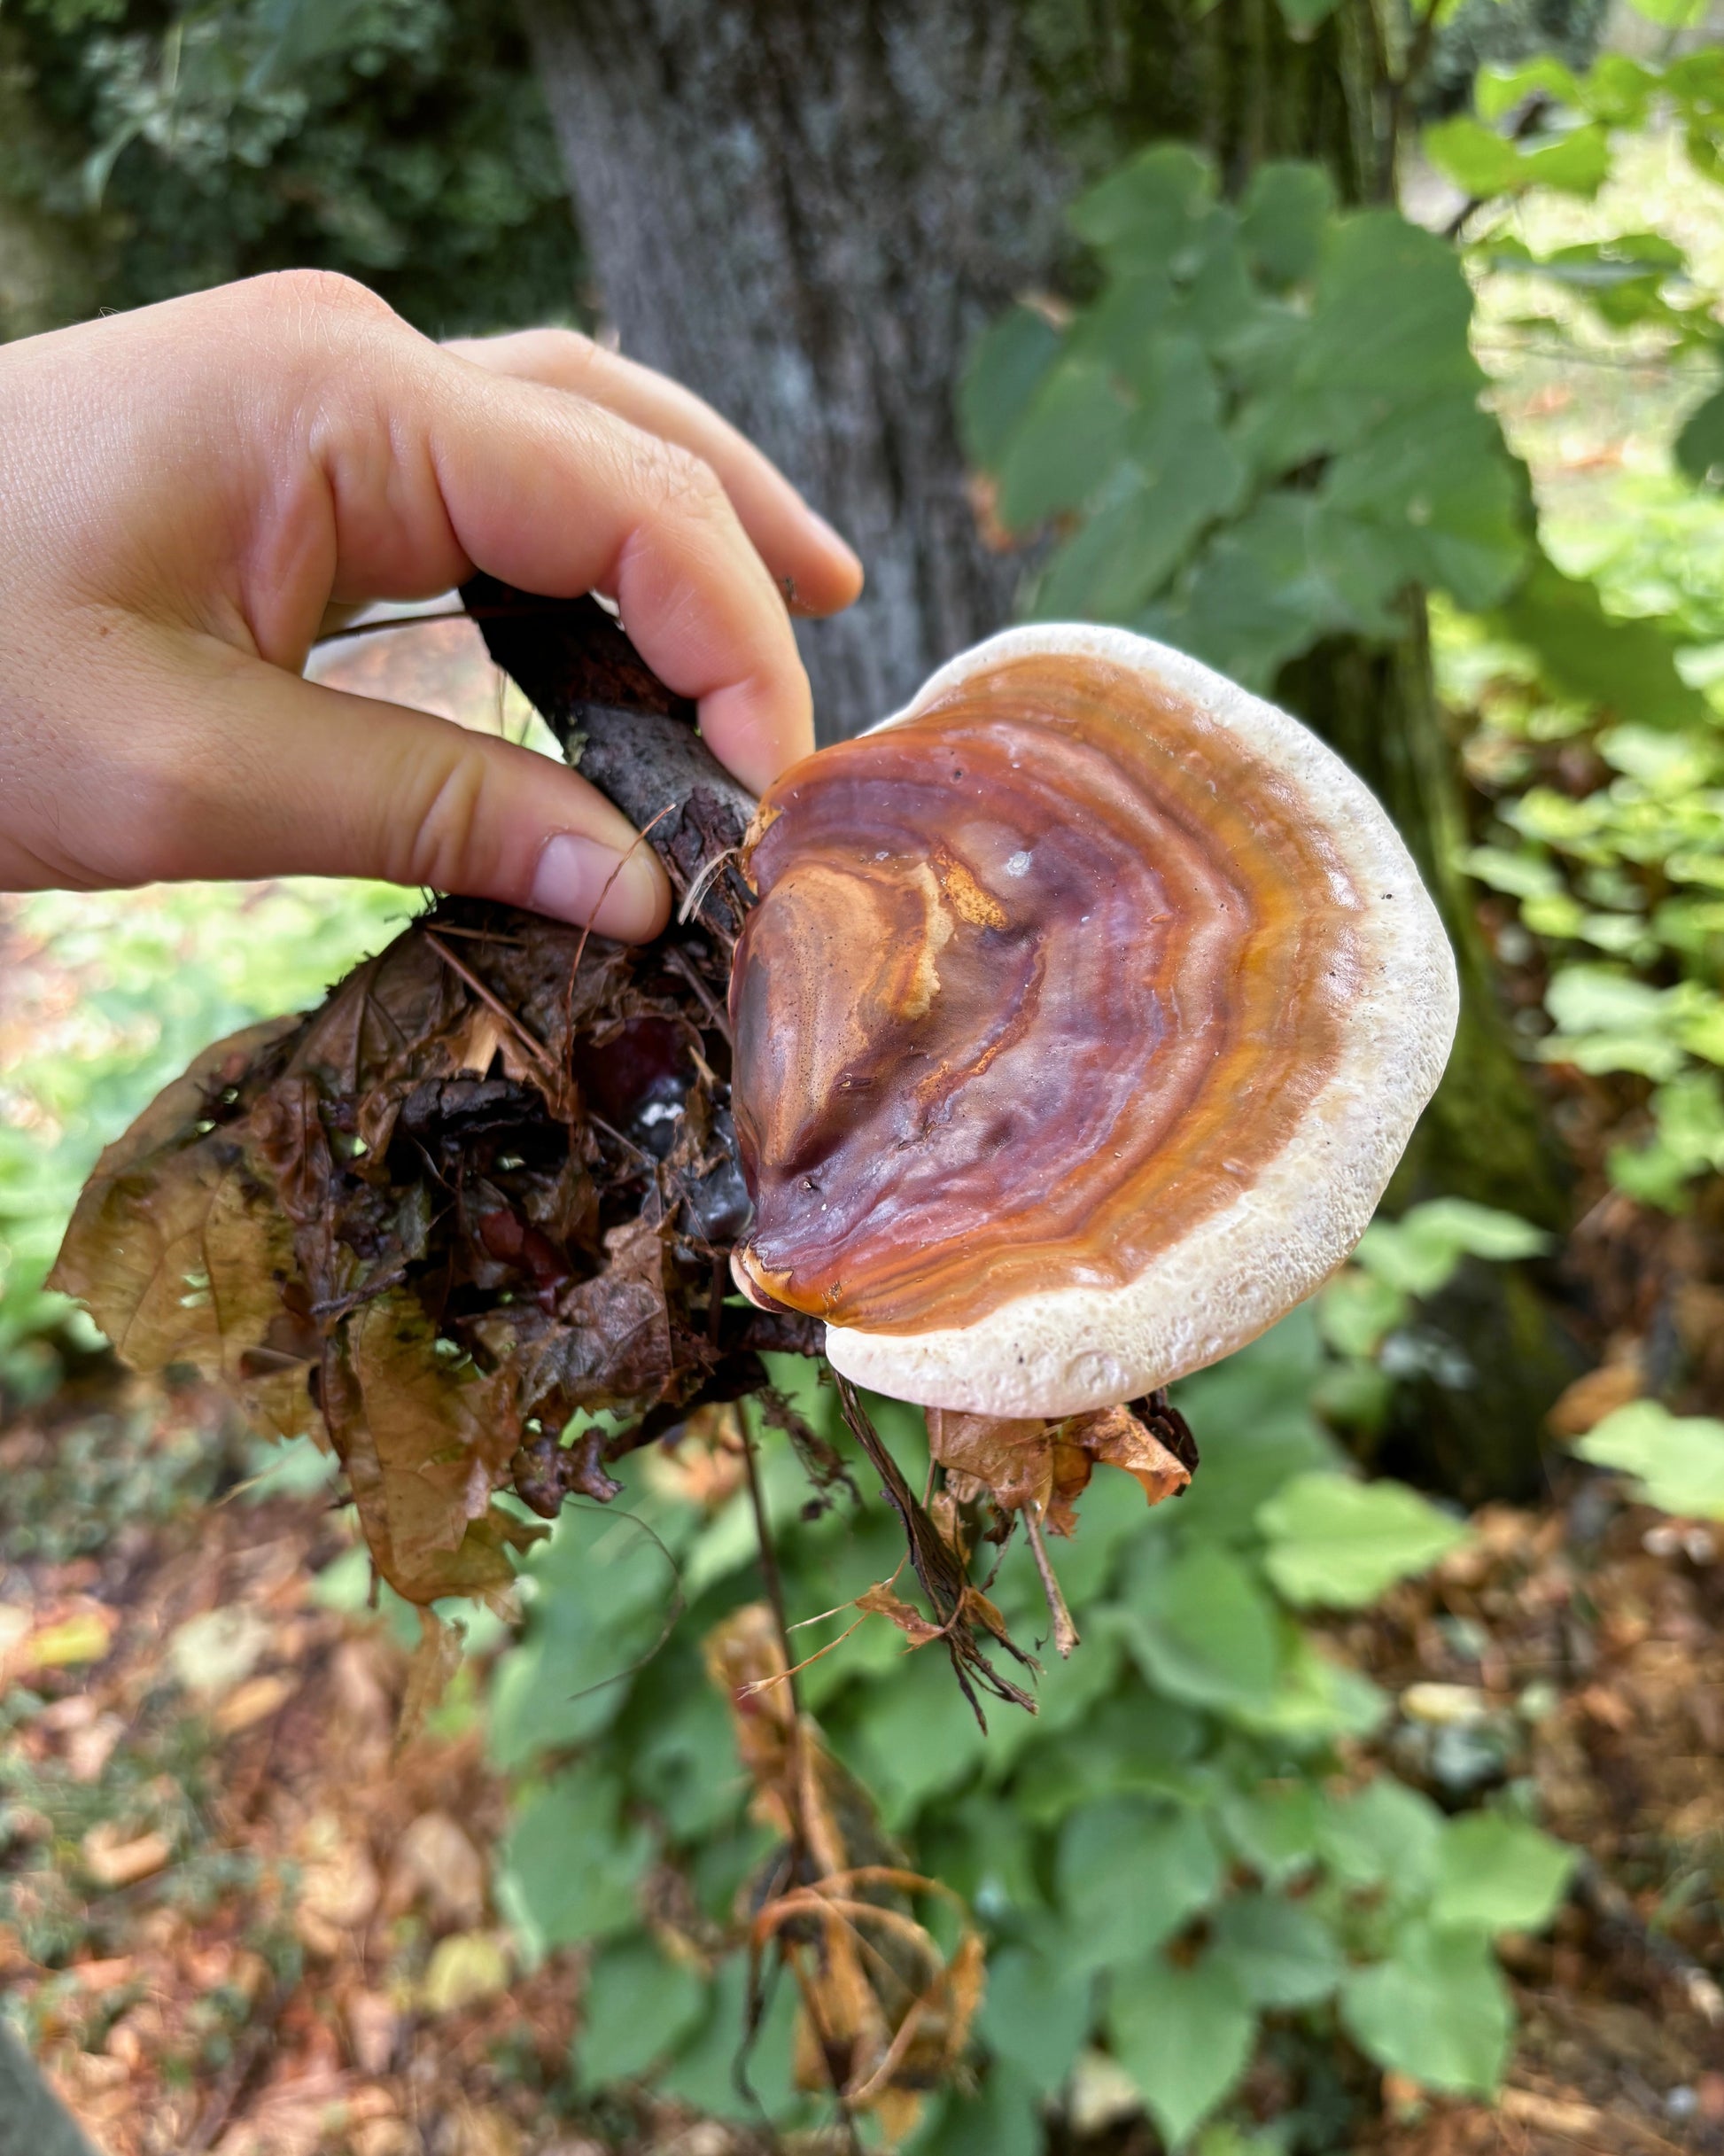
x=1065 y=1631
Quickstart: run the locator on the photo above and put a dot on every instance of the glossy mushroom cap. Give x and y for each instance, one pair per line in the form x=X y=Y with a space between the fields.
x=1087 y=1008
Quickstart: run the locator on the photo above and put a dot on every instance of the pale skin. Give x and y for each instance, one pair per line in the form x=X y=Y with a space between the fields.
x=189 y=493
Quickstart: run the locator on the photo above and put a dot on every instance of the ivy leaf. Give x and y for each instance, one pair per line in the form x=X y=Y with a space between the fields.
x=1340 y=1543
x=1437 y=2011
x=1183 y=2035
x=1129 y=1873
x=1677 y=1460
x=1282 y=1952
x=1498 y=1875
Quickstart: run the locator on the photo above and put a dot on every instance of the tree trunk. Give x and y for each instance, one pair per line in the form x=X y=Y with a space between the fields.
x=32 y=2121
x=807 y=214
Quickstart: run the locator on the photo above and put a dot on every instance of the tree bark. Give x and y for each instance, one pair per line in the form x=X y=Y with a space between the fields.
x=808 y=214
x=32 y=2121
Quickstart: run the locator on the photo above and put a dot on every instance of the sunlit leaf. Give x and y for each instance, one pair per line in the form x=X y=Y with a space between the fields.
x=1340 y=1543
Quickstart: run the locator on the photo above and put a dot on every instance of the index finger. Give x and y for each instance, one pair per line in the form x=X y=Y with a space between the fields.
x=558 y=496
x=818 y=572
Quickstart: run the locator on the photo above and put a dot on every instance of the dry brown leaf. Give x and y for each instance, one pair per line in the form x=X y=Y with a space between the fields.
x=883 y=2015
x=1045 y=1466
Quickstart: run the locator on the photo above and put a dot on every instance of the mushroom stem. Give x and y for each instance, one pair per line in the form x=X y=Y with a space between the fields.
x=1065 y=1631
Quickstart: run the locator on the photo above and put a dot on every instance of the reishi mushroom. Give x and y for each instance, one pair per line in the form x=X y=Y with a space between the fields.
x=1087 y=1007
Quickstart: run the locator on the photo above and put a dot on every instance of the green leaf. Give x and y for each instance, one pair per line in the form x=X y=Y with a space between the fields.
x=1282 y=1952
x=1671 y=14
x=1434 y=492
x=1002 y=2118
x=1179 y=472
x=1068 y=442
x=1699 y=450
x=1139 y=215
x=1484 y=164
x=1498 y=91
x=1498 y=1875
x=1256 y=594
x=1302 y=17
x=1200 y=1628
x=570 y=1866
x=1005 y=369
x=705 y=2072
x=1035 y=2015
x=1340 y=1543
x=1437 y=2011
x=637 y=2006
x=1274 y=1829
x=1382 y=1835
x=1592 y=657
x=1417 y=1254
x=1358 y=1307
x=1130 y=1873
x=1183 y=2035
x=1316 y=1699
x=914 y=1733
x=1677 y=1460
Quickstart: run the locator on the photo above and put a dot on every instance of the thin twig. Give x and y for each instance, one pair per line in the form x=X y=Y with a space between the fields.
x=536 y=1050
x=1065 y=1631
x=770 y=1576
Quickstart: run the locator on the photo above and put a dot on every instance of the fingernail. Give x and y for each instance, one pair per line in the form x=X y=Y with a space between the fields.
x=578 y=879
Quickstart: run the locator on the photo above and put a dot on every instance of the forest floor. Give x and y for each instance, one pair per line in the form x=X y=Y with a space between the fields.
x=235 y=1917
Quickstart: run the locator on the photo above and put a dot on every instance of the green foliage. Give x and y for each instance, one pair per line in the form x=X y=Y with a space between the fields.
x=403 y=142
x=1263 y=430
x=1160 y=1857
x=1338 y=1542
x=1677 y=1461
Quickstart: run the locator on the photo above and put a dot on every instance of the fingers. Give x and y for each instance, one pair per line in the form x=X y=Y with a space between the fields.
x=559 y=495
x=228 y=767
x=808 y=560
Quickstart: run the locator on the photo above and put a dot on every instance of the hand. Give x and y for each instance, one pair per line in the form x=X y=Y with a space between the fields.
x=186 y=490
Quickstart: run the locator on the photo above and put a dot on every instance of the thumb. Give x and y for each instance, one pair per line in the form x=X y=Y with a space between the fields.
x=227 y=766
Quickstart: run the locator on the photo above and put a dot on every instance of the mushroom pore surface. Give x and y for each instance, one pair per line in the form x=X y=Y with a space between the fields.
x=1085 y=1010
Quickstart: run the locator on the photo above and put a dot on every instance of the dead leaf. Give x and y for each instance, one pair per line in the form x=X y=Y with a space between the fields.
x=113 y=1860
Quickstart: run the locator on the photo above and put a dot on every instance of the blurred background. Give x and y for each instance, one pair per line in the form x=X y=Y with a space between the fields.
x=1371 y=351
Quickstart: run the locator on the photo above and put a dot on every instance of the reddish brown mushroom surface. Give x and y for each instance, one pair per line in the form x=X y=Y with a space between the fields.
x=1084 y=1012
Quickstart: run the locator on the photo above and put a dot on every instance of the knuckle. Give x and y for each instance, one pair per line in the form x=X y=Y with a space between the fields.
x=435 y=830
x=307 y=293
x=673 y=480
